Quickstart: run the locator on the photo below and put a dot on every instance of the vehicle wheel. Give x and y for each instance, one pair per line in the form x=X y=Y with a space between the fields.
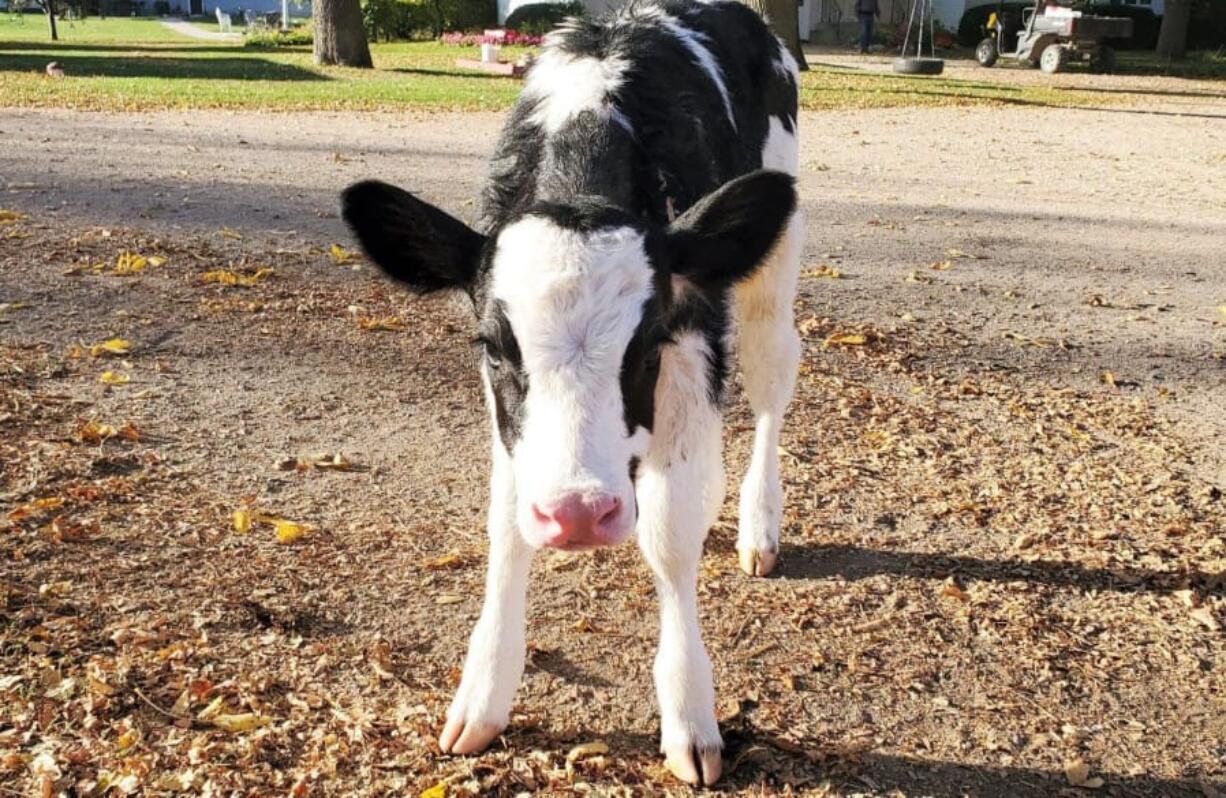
x=1053 y=58
x=986 y=53
x=919 y=66
x=1104 y=60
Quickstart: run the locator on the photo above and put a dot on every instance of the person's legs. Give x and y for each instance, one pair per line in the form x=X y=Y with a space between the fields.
x=866 y=32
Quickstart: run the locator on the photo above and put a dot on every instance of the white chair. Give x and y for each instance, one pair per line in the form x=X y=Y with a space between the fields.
x=223 y=20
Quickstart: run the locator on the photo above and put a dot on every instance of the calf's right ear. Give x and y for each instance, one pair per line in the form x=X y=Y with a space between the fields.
x=410 y=240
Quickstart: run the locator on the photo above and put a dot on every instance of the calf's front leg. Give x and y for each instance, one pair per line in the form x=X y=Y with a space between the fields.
x=481 y=708
x=679 y=491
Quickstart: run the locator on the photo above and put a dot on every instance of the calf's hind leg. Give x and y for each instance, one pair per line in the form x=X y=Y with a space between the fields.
x=769 y=354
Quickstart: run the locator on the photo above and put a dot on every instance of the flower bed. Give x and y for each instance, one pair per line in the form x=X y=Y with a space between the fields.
x=509 y=38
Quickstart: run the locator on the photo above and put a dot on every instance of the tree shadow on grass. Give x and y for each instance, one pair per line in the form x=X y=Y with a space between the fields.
x=122 y=48
x=824 y=561
x=255 y=69
x=448 y=73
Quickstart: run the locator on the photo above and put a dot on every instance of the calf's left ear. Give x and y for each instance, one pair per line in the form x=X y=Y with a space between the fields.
x=411 y=240
x=727 y=234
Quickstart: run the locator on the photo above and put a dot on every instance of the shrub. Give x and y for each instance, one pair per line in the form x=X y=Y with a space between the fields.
x=537 y=19
x=397 y=19
x=162 y=8
x=298 y=35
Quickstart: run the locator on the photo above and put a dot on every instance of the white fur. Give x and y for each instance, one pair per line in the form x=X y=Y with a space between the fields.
x=786 y=64
x=770 y=356
x=574 y=301
x=495 y=662
x=680 y=490
x=565 y=85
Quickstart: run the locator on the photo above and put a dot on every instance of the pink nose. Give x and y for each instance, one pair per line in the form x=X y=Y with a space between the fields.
x=578 y=521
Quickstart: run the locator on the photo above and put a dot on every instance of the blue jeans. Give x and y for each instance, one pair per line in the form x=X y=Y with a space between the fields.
x=866 y=31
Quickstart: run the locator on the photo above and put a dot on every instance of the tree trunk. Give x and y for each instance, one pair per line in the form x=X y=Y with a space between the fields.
x=55 y=36
x=340 y=36
x=784 y=20
x=1173 y=36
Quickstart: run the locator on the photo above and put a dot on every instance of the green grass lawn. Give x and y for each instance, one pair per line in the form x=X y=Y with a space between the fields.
x=138 y=64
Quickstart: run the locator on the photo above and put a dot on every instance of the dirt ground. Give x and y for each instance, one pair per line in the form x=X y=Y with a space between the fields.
x=1002 y=569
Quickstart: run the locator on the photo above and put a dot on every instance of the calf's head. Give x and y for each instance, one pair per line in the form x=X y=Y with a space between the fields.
x=574 y=303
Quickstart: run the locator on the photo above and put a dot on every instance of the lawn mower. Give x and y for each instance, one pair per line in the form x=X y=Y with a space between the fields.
x=1051 y=36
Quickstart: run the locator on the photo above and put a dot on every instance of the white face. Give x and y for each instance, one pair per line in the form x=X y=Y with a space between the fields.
x=570 y=302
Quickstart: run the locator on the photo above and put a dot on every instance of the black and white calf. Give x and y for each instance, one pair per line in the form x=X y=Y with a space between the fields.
x=640 y=200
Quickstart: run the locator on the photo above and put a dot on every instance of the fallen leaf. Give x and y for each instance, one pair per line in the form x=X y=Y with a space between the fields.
x=288 y=531
x=335 y=462
x=950 y=589
x=844 y=339
x=918 y=277
x=585 y=750
x=1221 y=309
x=437 y=791
x=242 y=521
x=1108 y=379
x=387 y=323
x=340 y=255
x=941 y=265
x=448 y=598
x=61 y=588
x=8 y=217
x=237 y=724
x=1204 y=616
x=826 y=271
x=129 y=263
x=36 y=506
x=114 y=378
x=111 y=346
x=93 y=432
x=212 y=710
x=242 y=279
x=444 y=563
x=229 y=232
x=1078 y=775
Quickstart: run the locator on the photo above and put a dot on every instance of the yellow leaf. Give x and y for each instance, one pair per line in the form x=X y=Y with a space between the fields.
x=878 y=440
x=114 y=378
x=129 y=263
x=1078 y=775
x=214 y=707
x=1221 y=309
x=918 y=277
x=8 y=217
x=227 y=277
x=242 y=521
x=156 y=260
x=387 y=323
x=237 y=724
x=448 y=598
x=288 y=531
x=444 y=563
x=585 y=750
x=38 y=505
x=437 y=791
x=339 y=254
x=824 y=270
x=844 y=339
x=112 y=346
x=1108 y=379
x=128 y=739
x=941 y=265
x=229 y=232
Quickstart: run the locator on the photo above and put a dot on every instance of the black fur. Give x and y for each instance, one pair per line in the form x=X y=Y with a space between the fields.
x=652 y=160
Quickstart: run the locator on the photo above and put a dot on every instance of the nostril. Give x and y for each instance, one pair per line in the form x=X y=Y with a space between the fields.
x=610 y=514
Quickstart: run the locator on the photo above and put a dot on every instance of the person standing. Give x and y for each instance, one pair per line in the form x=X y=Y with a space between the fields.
x=867 y=11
